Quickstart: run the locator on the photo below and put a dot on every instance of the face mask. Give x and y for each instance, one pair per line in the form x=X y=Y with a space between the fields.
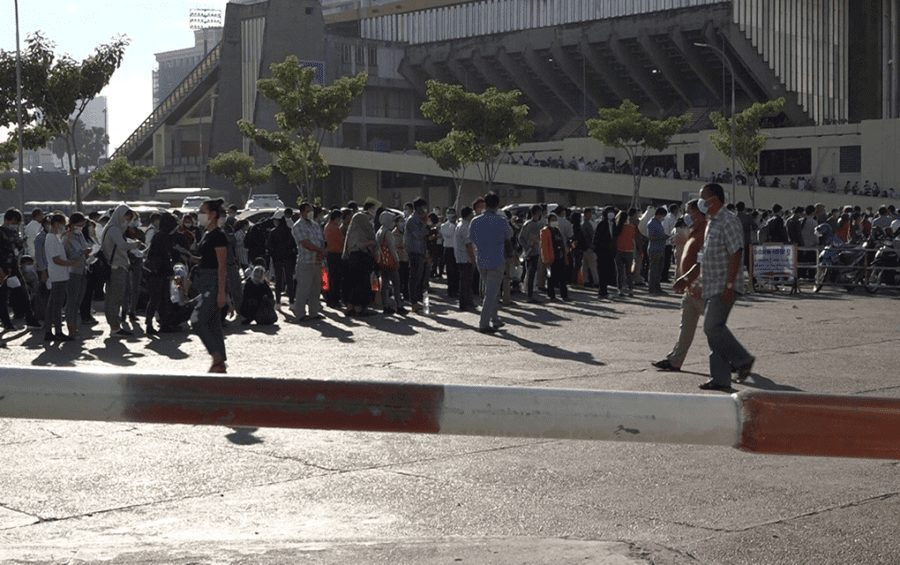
x=703 y=205
x=688 y=220
x=188 y=225
x=554 y=224
x=203 y=219
x=29 y=269
x=221 y=222
x=136 y=223
x=309 y=216
x=611 y=216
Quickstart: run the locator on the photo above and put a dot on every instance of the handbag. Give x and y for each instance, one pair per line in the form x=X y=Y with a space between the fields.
x=101 y=267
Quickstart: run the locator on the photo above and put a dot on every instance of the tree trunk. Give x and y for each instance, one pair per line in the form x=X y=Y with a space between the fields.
x=636 y=192
x=751 y=186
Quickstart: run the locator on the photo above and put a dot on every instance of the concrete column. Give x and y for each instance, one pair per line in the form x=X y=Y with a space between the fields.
x=895 y=58
x=886 y=58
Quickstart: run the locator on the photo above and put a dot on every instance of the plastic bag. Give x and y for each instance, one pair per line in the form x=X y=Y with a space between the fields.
x=13 y=282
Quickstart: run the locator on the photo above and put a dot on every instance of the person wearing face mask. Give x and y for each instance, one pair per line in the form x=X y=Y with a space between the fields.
x=359 y=254
x=626 y=230
x=11 y=246
x=116 y=249
x=39 y=300
x=134 y=233
x=158 y=269
x=530 y=241
x=282 y=252
x=415 y=238
x=589 y=257
x=448 y=234
x=687 y=249
x=605 y=248
x=58 y=276
x=555 y=256
x=77 y=251
x=310 y=253
x=723 y=276
x=93 y=281
x=656 y=249
x=210 y=284
x=183 y=240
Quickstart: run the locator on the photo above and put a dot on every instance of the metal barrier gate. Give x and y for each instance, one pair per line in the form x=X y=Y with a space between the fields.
x=760 y=422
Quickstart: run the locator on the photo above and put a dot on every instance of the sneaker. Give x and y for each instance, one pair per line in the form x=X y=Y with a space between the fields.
x=122 y=332
x=665 y=365
x=499 y=325
x=745 y=371
x=488 y=330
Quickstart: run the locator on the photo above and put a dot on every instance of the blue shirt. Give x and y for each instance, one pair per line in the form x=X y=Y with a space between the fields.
x=414 y=235
x=657 y=234
x=489 y=233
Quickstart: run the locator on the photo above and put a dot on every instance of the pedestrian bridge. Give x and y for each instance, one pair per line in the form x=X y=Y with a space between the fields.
x=606 y=184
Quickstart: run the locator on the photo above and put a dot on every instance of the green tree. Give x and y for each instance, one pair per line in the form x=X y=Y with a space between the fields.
x=482 y=126
x=92 y=144
x=452 y=153
x=748 y=141
x=239 y=168
x=121 y=176
x=36 y=61
x=627 y=129
x=57 y=89
x=307 y=112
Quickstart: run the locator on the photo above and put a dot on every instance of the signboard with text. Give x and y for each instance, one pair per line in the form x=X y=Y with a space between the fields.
x=774 y=263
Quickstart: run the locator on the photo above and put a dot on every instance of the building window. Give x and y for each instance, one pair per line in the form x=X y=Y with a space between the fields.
x=785 y=162
x=691 y=162
x=851 y=159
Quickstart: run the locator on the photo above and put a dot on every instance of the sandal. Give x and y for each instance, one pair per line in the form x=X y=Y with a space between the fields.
x=219 y=367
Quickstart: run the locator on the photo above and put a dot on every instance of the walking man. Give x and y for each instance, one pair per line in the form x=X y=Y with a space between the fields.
x=488 y=233
x=723 y=276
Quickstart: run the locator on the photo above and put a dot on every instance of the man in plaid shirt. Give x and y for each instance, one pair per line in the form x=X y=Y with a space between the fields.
x=310 y=252
x=721 y=263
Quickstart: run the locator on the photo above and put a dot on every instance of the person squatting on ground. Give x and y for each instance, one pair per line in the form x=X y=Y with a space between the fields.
x=722 y=278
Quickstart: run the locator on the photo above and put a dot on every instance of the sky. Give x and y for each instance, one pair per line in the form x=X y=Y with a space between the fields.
x=78 y=26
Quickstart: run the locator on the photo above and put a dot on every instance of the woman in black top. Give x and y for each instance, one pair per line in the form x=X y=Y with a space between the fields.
x=209 y=282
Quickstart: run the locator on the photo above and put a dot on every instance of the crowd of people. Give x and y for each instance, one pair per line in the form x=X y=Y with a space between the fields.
x=801 y=183
x=210 y=267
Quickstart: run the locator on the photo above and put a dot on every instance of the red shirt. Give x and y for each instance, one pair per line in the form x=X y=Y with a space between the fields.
x=334 y=238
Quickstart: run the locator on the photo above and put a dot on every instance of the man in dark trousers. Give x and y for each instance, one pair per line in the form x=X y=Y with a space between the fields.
x=283 y=254
x=605 y=247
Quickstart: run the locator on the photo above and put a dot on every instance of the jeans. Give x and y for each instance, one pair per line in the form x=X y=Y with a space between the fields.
x=624 y=262
x=655 y=272
x=390 y=286
x=309 y=289
x=74 y=294
x=492 y=278
x=691 y=310
x=416 y=277
x=115 y=295
x=465 y=271
x=53 y=315
x=209 y=317
x=532 y=266
x=725 y=351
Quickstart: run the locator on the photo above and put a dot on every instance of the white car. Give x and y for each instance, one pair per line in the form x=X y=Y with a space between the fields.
x=262 y=201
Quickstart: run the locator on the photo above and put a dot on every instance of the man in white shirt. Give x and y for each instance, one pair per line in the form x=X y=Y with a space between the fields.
x=448 y=234
x=33 y=229
x=669 y=228
x=58 y=277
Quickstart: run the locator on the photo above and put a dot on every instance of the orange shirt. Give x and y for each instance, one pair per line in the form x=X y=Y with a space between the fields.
x=334 y=238
x=625 y=241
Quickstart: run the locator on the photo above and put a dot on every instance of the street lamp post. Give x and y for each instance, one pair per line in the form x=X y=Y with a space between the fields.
x=725 y=59
x=19 y=124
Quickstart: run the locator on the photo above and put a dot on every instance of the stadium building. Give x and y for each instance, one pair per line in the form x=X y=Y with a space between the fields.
x=832 y=60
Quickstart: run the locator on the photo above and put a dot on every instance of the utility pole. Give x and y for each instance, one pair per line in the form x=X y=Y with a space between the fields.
x=20 y=125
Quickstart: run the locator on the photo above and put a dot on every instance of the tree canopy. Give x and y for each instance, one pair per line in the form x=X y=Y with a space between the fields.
x=307 y=112
x=626 y=128
x=748 y=141
x=482 y=127
x=240 y=169
x=121 y=176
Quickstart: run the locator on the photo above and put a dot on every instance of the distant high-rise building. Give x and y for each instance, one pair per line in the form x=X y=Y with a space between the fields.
x=94 y=116
x=174 y=66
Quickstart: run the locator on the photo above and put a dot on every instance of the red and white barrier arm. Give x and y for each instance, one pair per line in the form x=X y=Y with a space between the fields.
x=761 y=422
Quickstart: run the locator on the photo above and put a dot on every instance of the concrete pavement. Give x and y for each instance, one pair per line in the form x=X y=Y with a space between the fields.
x=91 y=492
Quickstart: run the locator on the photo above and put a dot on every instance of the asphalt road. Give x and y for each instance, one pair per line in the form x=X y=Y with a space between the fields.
x=73 y=492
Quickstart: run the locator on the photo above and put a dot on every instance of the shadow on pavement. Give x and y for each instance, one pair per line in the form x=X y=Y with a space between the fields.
x=114 y=352
x=243 y=436
x=552 y=351
x=763 y=383
x=62 y=355
x=168 y=345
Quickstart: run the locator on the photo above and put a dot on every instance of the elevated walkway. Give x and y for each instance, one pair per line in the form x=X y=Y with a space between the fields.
x=605 y=184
